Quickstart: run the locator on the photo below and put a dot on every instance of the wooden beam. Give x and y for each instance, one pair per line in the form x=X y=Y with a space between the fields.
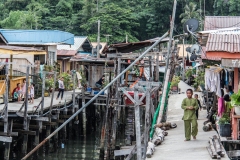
x=11 y=135
x=18 y=125
x=5 y=139
x=145 y=83
x=46 y=119
x=32 y=133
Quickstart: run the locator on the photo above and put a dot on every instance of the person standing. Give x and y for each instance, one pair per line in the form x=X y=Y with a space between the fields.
x=61 y=88
x=32 y=93
x=199 y=105
x=190 y=105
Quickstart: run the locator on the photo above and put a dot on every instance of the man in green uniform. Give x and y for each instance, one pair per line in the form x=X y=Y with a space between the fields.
x=190 y=105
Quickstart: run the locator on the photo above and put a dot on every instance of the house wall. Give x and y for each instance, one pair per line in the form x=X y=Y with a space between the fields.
x=95 y=73
x=18 y=62
x=52 y=49
x=60 y=64
x=28 y=57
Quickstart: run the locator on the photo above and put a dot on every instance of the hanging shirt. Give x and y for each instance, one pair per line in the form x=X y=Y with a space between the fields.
x=226 y=77
x=207 y=79
x=189 y=114
x=60 y=84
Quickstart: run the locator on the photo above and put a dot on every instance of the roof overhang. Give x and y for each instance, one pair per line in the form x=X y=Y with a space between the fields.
x=21 y=50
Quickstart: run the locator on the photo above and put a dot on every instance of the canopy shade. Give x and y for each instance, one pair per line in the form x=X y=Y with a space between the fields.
x=21 y=50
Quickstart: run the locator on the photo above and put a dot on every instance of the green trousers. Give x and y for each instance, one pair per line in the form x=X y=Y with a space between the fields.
x=190 y=125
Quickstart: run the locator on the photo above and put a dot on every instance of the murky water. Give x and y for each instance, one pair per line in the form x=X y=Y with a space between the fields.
x=77 y=149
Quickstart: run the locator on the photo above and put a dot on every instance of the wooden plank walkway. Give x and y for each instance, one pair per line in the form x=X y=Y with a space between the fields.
x=15 y=106
x=174 y=147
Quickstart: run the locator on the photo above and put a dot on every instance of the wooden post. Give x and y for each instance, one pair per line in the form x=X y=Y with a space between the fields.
x=147 y=119
x=53 y=90
x=74 y=86
x=6 y=125
x=157 y=68
x=150 y=68
x=6 y=101
x=43 y=91
x=26 y=121
x=137 y=124
x=11 y=69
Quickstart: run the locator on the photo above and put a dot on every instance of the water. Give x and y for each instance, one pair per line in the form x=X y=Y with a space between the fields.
x=77 y=148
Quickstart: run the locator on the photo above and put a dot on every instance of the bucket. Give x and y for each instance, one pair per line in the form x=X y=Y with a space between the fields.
x=225 y=130
x=96 y=92
x=89 y=89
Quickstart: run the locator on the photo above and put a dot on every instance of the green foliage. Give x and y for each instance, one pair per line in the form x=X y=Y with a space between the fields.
x=139 y=19
x=175 y=81
x=20 y=20
x=190 y=11
x=225 y=119
x=189 y=73
x=199 y=79
x=235 y=99
x=67 y=80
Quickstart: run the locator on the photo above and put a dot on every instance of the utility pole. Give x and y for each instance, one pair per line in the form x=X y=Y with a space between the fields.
x=183 y=74
x=98 y=39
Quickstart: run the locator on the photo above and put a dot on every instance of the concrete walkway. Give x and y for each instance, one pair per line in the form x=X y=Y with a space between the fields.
x=174 y=147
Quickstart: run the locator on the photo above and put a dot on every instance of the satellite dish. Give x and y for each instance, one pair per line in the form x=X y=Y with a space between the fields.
x=188 y=49
x=195 y=49
x=193 y=57
x=192 y=25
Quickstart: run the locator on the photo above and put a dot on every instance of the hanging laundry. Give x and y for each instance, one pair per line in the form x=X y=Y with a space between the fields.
x=222 y=76
x=221 y=106
x=226 y=77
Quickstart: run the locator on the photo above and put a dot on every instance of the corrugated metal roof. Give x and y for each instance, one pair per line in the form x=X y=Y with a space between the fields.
x=36 y=37
x=66 y=52
x=78 y=42
x=218 y=22
x=130 y=47
x=223 y=42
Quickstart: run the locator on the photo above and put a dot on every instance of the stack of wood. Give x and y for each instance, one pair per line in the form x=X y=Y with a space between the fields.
x=215 y=148
x=166 y=125
x=158 y=137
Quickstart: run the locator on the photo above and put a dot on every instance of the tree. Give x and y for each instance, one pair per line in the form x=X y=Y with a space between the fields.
x=190 y=11
x=19 y=20
x=115 y=20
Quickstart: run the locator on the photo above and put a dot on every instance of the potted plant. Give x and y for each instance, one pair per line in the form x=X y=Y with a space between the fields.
x=224 y=125
x=235 y=101
x=174 y=83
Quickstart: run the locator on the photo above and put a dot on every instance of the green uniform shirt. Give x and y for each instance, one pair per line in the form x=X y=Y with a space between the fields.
x=189 y=114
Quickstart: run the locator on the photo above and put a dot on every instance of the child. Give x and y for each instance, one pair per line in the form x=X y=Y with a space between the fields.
x=190 y=105
x=32 y=93
x=61 y=88
x=199 y=104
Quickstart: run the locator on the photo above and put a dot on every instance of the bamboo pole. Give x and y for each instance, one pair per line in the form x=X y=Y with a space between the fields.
x=94 y=98
x=164 y=94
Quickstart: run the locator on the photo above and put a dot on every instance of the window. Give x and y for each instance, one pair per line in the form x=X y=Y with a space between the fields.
x=51 y=58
